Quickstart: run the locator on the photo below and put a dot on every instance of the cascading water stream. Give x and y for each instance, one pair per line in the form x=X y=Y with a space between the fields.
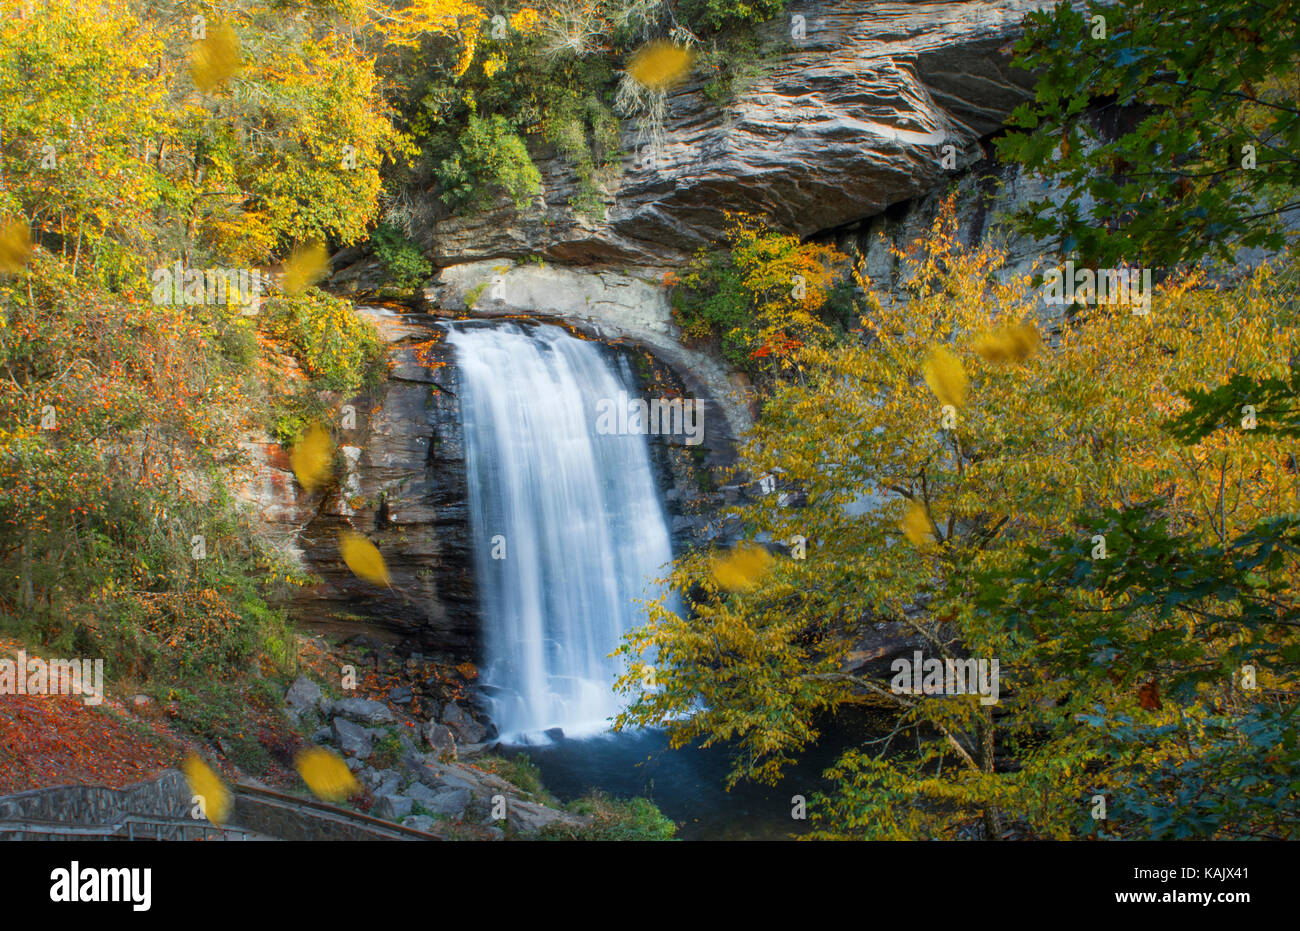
x=567 y=524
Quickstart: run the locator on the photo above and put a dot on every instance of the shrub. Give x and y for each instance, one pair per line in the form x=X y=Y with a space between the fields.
x=492 y=156
x=763 y=298
x=634 y=819
x=332 y=343
x=401 y=260
x=717 y=14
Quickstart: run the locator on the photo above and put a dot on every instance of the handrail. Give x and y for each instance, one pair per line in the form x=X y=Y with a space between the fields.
x=325 y=808
x=162 y=829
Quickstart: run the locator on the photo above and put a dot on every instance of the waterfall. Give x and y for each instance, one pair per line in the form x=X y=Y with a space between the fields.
x=567 y=524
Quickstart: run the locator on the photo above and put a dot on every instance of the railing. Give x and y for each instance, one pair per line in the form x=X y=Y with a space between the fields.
x=259 y=813
x=324 y=814
x=130 y=827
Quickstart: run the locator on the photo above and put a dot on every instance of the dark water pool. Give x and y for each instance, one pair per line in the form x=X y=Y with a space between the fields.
x=688 y=784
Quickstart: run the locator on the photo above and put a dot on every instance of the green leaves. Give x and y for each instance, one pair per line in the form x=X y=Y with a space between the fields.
x=1184 y=147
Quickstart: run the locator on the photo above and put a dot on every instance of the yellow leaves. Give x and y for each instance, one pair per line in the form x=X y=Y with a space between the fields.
x=207 y=785
x=658 y=66
x=1014 y=343
x=310 y=459
x=741 y=569
x=304 y=267
x=946 y=376
x=214 y=58
x=410 y=24
x=526 y=20
x=15 y=245
x=363 y=558
x=326 y=774
x=916 y=525
x=467 y=54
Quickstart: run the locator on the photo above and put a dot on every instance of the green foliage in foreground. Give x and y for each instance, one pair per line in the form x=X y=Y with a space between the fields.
x=717 y=14
x=331 y=341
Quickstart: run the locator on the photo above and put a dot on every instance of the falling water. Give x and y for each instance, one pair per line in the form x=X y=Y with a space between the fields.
x=567 y=524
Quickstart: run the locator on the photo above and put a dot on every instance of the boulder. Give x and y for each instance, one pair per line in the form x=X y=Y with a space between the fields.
x=352 y=738
x=421 y=794
x=304 y=695
x=362 y=710
x=418 y=822
x=392 y=807
x=452 y=803
x=465 y=727
x=439 y=738
x=382 y=782
x=400 y=695
x=850 y=118
x=530 y=817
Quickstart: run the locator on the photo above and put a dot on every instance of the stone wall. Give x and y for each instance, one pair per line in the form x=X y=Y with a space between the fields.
x=166 y=796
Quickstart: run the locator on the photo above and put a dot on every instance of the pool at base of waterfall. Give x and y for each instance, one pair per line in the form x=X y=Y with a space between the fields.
x=688 y=784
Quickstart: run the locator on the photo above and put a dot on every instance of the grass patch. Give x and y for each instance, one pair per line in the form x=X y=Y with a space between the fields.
x=613 y=819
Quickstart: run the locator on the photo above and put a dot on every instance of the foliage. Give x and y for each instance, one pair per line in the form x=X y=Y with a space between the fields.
x=519 y=771
x=1040 y=439
x=126 y=148
x=716 y=14
x=763 y=298
x=737 y=62
x=491 y=156
x=405 y=266
x=333 y=343
x=612 y=819
x=1177 y=183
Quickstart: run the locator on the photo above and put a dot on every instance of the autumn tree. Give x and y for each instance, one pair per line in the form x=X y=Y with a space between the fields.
x=943 y=448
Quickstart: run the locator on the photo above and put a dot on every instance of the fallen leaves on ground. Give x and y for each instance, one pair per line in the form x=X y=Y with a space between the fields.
x=49 y=740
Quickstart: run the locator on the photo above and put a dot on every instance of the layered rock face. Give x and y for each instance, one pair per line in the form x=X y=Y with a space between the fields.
x=853 y=115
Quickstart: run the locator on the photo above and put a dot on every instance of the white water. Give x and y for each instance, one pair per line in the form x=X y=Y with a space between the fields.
x=584 y=533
